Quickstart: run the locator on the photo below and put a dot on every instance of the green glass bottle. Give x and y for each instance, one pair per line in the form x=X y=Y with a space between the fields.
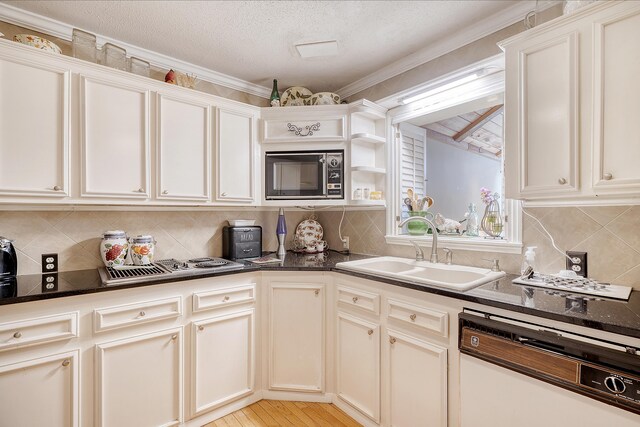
x=275 y=96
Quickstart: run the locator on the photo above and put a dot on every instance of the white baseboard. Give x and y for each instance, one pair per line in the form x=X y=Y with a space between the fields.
x=297 y=396
x=224 y=410
x=354 y=413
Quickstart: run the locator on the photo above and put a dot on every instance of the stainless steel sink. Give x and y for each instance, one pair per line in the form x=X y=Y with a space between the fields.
x=446 y=276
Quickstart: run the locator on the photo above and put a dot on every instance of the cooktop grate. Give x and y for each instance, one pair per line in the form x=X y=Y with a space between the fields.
x=132 y=272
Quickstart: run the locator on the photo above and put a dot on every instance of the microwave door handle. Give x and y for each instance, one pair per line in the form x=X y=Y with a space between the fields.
x=325 y=178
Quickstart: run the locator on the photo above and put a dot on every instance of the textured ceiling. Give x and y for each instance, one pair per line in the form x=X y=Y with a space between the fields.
x=253 y=40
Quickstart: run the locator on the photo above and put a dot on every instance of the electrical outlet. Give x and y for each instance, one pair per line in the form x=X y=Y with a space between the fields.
x=345 y=243
x=49 y=263
x=577 y=263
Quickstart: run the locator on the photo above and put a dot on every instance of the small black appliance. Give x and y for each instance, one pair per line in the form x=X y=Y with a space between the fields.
x=8 y=258
x=241 y=242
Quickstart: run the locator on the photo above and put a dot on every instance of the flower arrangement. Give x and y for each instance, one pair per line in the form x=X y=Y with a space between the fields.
x=488 y=196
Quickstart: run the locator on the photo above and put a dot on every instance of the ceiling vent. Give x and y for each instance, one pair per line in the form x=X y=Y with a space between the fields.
x=316 y=49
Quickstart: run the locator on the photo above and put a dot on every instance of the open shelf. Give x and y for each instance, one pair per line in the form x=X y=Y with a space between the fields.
x=368 y=169
x=368 y=110
x=367 y=138
x=368 y=202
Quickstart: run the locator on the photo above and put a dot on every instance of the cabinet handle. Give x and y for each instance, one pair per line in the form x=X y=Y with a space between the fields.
x=355 y=299
x=317 y=292
x=412 y=317
x=224 y=194
x=142 y=314
x=607 y=176
x=201 y=328
x=226 y=298
x=56 y=188
x=66 y=362
x=140 y=190
x=562 y=181
x=17 y=334
x=174 y=337
x=370 y=331
x=165 y=192
x=392 y=340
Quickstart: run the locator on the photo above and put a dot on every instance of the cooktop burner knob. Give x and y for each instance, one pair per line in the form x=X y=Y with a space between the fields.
x=615 y=385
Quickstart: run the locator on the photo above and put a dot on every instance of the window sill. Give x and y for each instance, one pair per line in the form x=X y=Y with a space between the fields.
x=478 y=244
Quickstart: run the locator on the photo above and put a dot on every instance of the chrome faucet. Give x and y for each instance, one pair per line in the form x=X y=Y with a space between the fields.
x=434 y=244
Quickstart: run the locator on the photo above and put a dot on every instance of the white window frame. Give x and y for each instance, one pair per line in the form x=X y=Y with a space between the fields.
x=492 y=84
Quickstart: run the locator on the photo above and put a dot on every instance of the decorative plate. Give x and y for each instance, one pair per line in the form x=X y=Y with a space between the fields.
x=325 y=98
x=295 y=97
x=37 y=42
x=308 y=233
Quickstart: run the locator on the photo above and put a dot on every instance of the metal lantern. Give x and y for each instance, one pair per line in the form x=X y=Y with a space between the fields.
x=492 y=220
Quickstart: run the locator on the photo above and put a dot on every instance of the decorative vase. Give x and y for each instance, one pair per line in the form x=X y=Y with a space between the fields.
x=419 y=228
x=492 y=220
x=472 y=221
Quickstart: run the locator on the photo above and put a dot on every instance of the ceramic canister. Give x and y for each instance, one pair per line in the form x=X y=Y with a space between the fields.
x=142 y=250
x=113 y=248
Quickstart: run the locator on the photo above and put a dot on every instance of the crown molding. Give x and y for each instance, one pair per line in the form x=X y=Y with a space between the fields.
x=470 y=34
x=43 y=24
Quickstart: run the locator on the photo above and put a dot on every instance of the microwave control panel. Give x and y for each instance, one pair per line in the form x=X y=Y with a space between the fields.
x=335 y=175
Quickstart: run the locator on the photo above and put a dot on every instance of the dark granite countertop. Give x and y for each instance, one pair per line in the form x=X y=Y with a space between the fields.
x=606 y=315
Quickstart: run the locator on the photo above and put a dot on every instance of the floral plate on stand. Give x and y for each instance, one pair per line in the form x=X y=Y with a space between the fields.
x=295 y=97
x=308 y=233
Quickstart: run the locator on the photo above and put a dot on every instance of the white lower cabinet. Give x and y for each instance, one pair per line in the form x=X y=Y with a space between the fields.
x=418 y=381
x=41 y=392
x=139 y=380
x=358 y=364
x=222 y=359
x=296 y=336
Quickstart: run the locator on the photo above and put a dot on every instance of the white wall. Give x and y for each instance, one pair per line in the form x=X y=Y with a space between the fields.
x=455 y=176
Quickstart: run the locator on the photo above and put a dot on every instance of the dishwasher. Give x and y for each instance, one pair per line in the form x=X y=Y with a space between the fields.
x=518 y=374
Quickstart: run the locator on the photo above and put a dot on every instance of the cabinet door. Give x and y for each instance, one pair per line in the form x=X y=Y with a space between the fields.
x=542 y=117
x=41 y=392
x=223 y=360
x=358 y=364
x=115 y=139
x=617 y=101
x=139 y=380
x=234 y=156
x=418 y=382
x=34 y=129
x=183 y=149
x=296 y=337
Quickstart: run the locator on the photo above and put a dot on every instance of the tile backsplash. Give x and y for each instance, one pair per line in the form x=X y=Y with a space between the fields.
x=610 y=236
x=75 y=235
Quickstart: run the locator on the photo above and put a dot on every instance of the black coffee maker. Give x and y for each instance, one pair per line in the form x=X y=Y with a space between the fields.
x=8 y=259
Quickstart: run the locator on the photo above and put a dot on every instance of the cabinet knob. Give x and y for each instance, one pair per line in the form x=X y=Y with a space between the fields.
x=317 y=292
x=66 y=362
x=201 y=328
x=562 y=181
x=141 y=190
x=607 y=176
x=355 y=299
x=165 y=192
x=17 y=334
x=370 y=332
x=142 y=314
x=223 y=194
x=392 y=340
x=56 y=188
x=412 y=317
x=174 y=337
x=226 y=298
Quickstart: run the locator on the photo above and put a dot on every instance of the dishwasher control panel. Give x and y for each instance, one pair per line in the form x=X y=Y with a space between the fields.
x=605 y=381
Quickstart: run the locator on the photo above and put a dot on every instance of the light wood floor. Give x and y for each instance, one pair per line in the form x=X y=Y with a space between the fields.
x=276 y=413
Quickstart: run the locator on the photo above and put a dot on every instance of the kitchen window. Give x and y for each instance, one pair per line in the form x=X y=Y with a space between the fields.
x=447 y=145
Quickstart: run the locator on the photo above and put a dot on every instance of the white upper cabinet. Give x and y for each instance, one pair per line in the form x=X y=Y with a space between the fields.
x=572 y=99
x=183 y=153
x=616 y=148
x=308 y=124
x=235 y=145
x=115 y=139
x=34 y=128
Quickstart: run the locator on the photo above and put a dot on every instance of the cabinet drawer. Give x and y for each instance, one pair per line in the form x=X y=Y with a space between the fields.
x=366 y=301
x=430 y=319
x=326 y=129
x=224 y=297
x=123 y=316
x=38 y=331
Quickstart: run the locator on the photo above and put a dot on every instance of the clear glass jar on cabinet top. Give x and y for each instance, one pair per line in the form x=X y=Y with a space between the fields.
x=139 y=67
x=113 y=56
x=83 y=45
